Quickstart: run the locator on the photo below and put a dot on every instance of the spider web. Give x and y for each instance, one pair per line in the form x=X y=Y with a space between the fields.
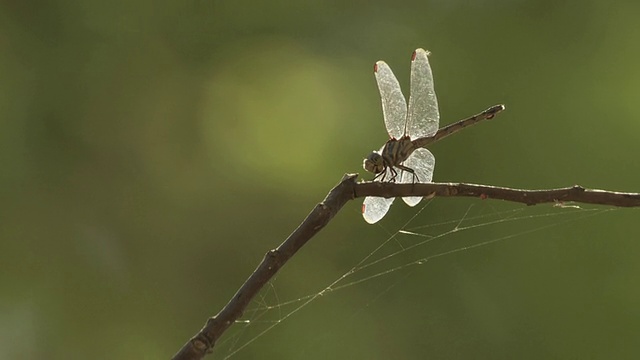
x=400 y=255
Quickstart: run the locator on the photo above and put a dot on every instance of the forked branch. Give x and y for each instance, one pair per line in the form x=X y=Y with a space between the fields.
x=204 y=341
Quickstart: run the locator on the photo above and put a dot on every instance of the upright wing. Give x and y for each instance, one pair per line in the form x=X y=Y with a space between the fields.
x=394 y=105
x=423 y=104
x=422 y=162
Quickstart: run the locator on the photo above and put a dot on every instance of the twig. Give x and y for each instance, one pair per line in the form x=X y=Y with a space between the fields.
x=204 y=341
x=529 y=197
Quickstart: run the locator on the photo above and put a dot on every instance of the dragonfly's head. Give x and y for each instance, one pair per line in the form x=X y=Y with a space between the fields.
x=373 y=163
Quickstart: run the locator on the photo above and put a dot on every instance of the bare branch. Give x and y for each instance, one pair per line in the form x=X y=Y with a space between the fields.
x=530 y=197
x=204 y=341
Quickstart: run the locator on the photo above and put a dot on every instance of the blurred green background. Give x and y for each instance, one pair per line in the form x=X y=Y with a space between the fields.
x=152 y=152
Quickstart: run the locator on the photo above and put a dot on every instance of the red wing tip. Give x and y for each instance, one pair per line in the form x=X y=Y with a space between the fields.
x=415 y=53
x=363 y=207
x=375 y=67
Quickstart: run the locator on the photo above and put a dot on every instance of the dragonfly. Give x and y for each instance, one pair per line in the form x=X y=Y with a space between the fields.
x=403 y=158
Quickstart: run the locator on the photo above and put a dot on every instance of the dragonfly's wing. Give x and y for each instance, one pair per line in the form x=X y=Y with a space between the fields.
x=375 y=208
x=394 y=105
x=422 y=162
x=423 y=104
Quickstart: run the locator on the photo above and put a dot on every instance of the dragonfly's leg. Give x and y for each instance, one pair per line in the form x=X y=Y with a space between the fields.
x=410 y=170
x=394 y=174
x=382 y=173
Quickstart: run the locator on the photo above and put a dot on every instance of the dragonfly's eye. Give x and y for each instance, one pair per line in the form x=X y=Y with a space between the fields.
x=373 y=163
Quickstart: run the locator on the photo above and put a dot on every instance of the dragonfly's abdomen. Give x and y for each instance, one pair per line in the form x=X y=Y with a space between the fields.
x=397 y=150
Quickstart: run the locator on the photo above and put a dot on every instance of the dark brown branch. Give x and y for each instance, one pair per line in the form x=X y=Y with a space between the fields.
x=530 y=197
x=202 y=343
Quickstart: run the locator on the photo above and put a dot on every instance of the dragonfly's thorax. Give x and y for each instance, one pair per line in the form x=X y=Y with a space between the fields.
x=396 y=151
x=393 y=153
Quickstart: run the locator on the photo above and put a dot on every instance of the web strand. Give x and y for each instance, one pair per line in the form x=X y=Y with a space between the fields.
x=553 y=216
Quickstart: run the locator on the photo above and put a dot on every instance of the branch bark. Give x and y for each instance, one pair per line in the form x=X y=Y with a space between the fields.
x=575 y=193
x=204 y=341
